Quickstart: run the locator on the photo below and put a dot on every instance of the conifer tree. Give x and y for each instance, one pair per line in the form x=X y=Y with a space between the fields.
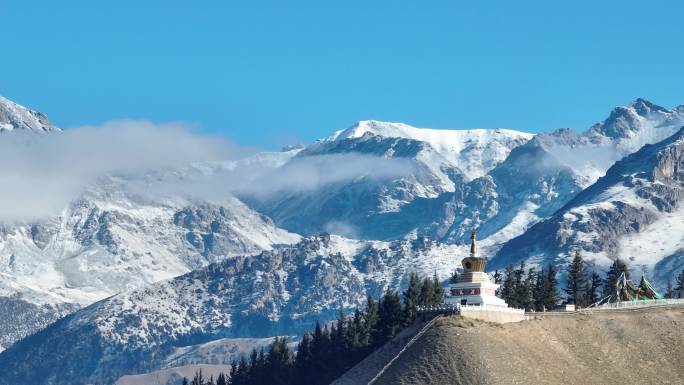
x=550 y=295
x=198 y=379
x=437 y=291
x=520 y=291
x=594 y=286
x=610 y=284
x=242 y=374
x=413 y=296
x=426 y=292
x=233 y=372
x=538 y=291
x=371 y=317
x=497 y=277
x=278 y=363
x=507 y=290
x=680 y=285
x=221 y=379
x=185 y=381
x=302 y=365
x=454 y=277
x=669 y=290
x=391 y=315
x=526 y=292
x=576 y=288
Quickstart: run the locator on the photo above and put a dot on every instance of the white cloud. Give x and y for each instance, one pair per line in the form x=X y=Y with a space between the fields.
x=41 y=174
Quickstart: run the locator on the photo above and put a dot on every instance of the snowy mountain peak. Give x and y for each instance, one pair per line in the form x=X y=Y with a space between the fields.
x=635 y=120
x=473 y=151
x=438 y=138
x=643 y=107
x=16 y=117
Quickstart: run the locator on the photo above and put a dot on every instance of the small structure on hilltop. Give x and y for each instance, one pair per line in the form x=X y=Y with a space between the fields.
x=474 y=287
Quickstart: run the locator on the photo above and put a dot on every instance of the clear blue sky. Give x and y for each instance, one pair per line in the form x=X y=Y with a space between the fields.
x=268 y=73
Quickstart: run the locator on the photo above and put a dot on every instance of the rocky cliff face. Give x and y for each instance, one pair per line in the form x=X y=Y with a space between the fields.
x=625 y=214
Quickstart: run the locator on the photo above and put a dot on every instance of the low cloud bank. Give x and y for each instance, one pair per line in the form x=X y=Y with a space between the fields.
x=41 y=174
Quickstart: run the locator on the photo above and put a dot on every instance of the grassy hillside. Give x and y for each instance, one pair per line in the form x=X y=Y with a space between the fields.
x=637 y=347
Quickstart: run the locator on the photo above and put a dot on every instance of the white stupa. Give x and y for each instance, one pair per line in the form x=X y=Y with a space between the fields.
x=473 y=287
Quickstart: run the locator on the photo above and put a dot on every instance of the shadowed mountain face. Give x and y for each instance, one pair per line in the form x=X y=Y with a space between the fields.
x=625 y=214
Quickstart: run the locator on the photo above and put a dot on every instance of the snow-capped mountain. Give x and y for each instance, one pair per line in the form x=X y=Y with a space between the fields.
x=16 y=117
x=474 y=152
x=623 y=132
x=112 y=238
x=439 y=162
x=109 y=241
x=278 y=292
x=542 y=175
x=634 y=212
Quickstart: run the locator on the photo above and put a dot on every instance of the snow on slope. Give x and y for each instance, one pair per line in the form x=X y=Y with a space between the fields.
x=390 y=208
x=474 y=151
x=16 y=117
x=633 y=213
x=278 y=292
x=624 y=131
x=110 y=241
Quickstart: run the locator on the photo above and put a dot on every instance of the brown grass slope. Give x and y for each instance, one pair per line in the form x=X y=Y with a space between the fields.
x=635 y=347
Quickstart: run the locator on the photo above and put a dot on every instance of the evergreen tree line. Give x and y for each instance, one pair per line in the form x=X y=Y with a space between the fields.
x=529 y=289
x=675 y=292
x=583 y=286
x=538 y=290
x=330 y=350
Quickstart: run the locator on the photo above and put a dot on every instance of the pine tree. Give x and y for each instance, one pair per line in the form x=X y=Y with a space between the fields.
x=669 y=291
x=497 y=277
x=413 y=296
x=610 y=284
x=278 y=363
x=577 y=281
x=198 y=379
x=594 y=286
x=242 y=375
x=185 y=381
x=539 y=291
x=233 y=373
x=551 y=295
x=506 y=292
x=527 y=301
x=356 y=331
x=437 y=291
x=221 y=379
x=371 y=317
x=680 y=285
x=391 y=315
x=426 y=292
x=303 y=360
x=520 y=291
x=454 y=277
